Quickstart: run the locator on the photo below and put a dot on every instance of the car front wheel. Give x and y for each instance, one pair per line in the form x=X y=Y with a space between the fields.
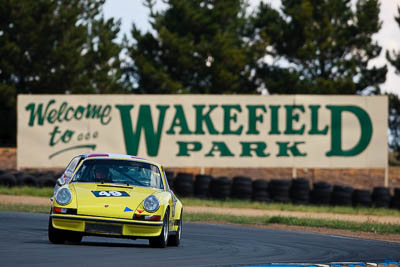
x=56 y=236
x=161 y=241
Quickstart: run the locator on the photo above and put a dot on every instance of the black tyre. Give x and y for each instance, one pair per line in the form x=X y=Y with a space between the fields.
x=46 y=181
x=220 y=188
x=161 y=241
x=28 y=180
x=56 y=236
x=74 y=237
x=8 y=179
x=175 y=239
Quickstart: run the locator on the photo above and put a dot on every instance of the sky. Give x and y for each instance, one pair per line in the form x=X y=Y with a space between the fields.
x=133 y=11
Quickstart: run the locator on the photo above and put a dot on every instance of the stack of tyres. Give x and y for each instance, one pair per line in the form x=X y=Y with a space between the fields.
x=342 y=195
x=300 y=191
x=242 y=188
x=396 y=199
x=183 y=184
x=7 y=179
x=260 y=191
x=321 y=193
x=170 y=178
x=279 y=190
x=46 y=180
x=202 y=186
x=381 y=197
x=220 y=188
x=362 y=198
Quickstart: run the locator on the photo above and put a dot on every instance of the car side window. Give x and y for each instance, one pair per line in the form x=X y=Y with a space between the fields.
x=71 y=167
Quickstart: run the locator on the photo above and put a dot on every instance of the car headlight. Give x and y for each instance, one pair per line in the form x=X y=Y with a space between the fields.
x=151 y=204
x=63 y=196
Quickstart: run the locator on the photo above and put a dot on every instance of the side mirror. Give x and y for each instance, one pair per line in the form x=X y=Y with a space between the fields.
x=60 y=181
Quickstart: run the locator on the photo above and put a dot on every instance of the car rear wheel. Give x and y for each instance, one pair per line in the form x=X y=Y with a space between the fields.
x=175 y=239
x=56 y=236
x=161 y=241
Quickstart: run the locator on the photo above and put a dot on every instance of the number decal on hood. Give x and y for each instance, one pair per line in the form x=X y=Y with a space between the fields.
x=110 y=193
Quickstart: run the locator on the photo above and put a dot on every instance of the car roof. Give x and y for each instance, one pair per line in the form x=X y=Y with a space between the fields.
x=118 y=156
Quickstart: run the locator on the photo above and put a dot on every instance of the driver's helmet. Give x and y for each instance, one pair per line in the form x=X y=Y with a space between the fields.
x=101 y=172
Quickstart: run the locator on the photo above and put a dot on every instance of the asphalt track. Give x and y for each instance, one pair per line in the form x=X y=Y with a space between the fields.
x=23 y=242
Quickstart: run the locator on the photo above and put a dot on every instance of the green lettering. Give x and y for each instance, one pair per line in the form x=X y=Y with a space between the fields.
x=254 y=118
x=284 y=148
x=105 y=115
x=200 y=118
x=179 y=121
x=314 y=121
x=144 y=123
x=222 y=148
x=290 y=117
x=336 y=131
x=258 y=147
x=186 y=147
x=228 y=117
x=38 y=112
x=274 y=120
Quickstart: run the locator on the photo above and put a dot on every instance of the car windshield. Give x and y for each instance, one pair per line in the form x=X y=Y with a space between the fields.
x=120 y=172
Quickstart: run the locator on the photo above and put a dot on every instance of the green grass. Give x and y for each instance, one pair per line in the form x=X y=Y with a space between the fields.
x=333 y=224
x=27 y=191
x=231 y=203
x=25 y=208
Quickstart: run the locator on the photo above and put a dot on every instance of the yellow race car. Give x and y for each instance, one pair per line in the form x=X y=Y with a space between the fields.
x=115 y=195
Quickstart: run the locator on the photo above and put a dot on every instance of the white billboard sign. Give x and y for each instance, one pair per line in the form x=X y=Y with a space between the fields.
x=302 y=131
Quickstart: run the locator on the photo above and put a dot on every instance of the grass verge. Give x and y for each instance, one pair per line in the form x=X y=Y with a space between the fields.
x=25 y=208
x=27 y=191
x=332 y=224
x=232 y=203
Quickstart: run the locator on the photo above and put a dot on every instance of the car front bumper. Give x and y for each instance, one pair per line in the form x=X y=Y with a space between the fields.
x=92 y=225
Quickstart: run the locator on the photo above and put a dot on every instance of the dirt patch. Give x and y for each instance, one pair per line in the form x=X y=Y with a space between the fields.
x=25 y=200
x=8 y=158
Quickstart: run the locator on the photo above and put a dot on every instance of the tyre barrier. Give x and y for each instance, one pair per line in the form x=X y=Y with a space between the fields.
x=300 y=191
x=321 y=193
x=395 y=202
x=46 y=181
x=362 y=198
x=242 y=188
x=202 y=186
x=183 y=184
x=278 y=189
x=8 y=179
x=220 y=188
x=381 y=197
x=297 y=191
x=260 y=191
x=341 y=195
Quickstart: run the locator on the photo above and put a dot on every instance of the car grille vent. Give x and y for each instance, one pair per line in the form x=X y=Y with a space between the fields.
x=98 y=228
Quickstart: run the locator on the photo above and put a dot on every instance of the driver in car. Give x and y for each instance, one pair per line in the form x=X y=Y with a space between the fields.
x=101 y=174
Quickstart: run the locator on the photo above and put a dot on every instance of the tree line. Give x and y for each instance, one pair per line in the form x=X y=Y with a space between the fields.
x=197 y=46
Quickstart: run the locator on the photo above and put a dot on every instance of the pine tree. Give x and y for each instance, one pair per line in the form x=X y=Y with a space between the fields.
x=394 y=101
x=320 y=47
x=54 y=47
x=198 y=46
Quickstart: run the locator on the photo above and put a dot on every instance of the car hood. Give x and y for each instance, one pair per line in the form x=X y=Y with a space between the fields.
x=109 y=200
